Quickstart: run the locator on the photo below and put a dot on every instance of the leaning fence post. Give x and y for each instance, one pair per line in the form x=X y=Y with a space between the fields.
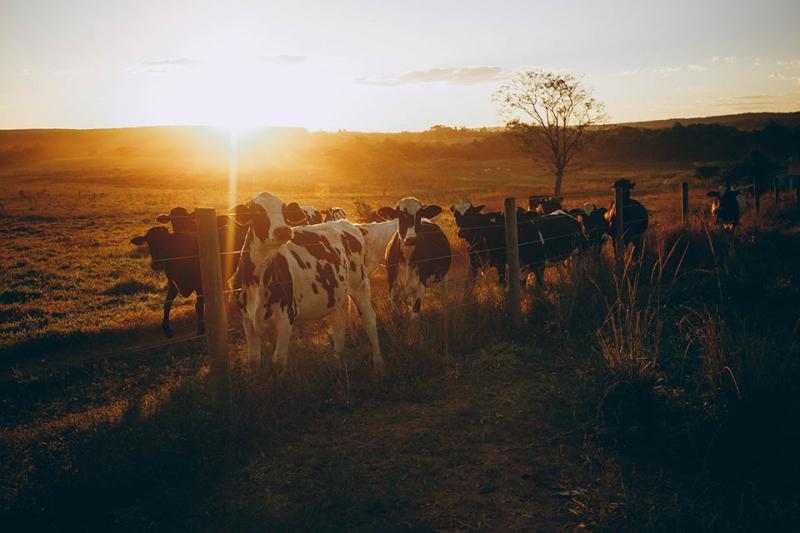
x=512 y=254
x=619 y=226
x=215 y=315
x=685 y=202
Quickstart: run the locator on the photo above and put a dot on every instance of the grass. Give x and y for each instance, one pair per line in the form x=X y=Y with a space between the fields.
x=662 y=399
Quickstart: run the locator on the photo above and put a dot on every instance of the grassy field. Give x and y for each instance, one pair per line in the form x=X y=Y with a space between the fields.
x=660 y=401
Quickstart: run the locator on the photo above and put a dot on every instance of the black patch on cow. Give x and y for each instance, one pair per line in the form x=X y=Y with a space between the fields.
x=318 y=246
x=431 y=257
x=350 y=243
x=314 y=288
x=562 y=236
x=352 y=266
x=302 y=264
x=417 y=305
x=327 y=280
x=279 y=287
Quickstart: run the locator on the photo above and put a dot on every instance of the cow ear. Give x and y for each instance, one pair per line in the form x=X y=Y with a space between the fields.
x=163 y=218
x=452 y=209
x=138 y=240
x=430 y=211
x=242 y=215
x=479 y=208
x=633 y=183
x=293 y=214
x=388 y=213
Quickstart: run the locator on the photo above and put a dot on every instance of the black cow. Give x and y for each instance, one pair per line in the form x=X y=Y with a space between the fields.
x=593 y=222
x=176 y=255
x=635 y=217
x=727 y=207
x=485 y=236
x=418 y=254
x=547 y=241
x=185 y=222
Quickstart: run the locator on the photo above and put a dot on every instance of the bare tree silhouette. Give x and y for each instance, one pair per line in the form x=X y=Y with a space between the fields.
x=549 y=111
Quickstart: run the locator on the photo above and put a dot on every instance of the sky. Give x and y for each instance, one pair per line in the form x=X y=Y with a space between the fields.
x=381 y=65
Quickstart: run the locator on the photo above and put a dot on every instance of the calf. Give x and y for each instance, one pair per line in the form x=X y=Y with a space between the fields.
x=418 y=254
x=727 y=207
x=176 y=255
x=290 y=275
x=635 y=218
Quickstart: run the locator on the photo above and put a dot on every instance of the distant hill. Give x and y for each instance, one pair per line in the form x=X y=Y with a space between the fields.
x=742 y=121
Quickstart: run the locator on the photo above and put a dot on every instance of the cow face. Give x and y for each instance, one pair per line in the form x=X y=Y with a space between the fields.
x=594 y=224
x=409 y=213
x=157 y=240
x=545 y=205
x=467 y=217
x=270 y=218
x=180 y=218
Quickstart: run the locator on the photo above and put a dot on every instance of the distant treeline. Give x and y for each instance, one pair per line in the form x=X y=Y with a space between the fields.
x=354 y=154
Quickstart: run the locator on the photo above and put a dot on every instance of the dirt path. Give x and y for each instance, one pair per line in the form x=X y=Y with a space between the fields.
x=478 y=450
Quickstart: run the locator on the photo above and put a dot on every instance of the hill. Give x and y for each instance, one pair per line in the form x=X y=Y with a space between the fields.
x=741 y=121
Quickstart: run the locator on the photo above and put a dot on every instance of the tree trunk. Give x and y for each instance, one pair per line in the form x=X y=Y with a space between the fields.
x=558 y=180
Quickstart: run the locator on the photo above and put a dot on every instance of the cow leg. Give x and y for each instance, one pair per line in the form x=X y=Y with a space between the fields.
x=339 y=325
x=199 y=304
x=253 y=343
x=364 y=304
x=415 y=302
x=539 y=273
x=283 y=334
x=172 y=292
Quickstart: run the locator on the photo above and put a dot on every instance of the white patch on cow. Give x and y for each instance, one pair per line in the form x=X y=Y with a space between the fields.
x=541 y=237
x=589 y=208
x=462 y=207
x=310 y=211
x=410 y=206
x=376 y=237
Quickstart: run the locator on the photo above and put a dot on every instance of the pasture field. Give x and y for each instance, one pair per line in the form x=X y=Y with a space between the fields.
x=665 y=400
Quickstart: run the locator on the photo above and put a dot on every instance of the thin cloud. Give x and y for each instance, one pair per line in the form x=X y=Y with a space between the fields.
x=283 y=59
x=696 y=68
x=793 y=64
x=176 y=62
x=449 y=76
x=728 y=60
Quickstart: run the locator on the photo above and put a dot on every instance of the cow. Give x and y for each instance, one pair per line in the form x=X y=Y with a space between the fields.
x=289 y=275
x=594 y=224
x=635 y=217
x=313 y=215
x=548 y=240
x=544 y=205
x=418 y=254
x=183 y=221
x=176 y=255
x=727 y=207
x=333 y=213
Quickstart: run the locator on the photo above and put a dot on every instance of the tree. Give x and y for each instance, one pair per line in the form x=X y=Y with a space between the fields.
x=549 y=111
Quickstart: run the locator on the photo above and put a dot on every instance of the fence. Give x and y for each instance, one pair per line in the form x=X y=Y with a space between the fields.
x=214 y=290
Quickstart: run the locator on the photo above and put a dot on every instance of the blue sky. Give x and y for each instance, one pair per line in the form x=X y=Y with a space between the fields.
x=381 y=65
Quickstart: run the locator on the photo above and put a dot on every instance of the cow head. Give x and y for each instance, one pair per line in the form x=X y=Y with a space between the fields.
x=333 y=213
x=467 y=216
x=593 y=223
x=409 y=213
x=181 y=219
x=313 y=216
x=157 y=239
x=270 y=219
x=545 y=205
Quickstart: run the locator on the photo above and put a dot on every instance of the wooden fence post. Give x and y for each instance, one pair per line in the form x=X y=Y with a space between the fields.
x=757 y=196
x=512 y=255
x=619 y=226
x=215 y=313
x=685 y=202
x=797 y=190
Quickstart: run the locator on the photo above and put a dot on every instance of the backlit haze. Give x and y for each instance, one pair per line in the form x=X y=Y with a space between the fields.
x=383 y=66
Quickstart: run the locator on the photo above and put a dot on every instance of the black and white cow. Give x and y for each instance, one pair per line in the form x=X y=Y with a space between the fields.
x=313 y=215
x=544 y=205
x=594 y=223
x=727 y=206
x=418 y=254
x=333 y=213
x=176 y=255
x=289 y=275
x=548 y=240
x=635 y=217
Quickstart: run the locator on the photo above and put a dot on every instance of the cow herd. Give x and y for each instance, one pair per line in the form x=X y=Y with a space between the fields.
x=286 y=263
